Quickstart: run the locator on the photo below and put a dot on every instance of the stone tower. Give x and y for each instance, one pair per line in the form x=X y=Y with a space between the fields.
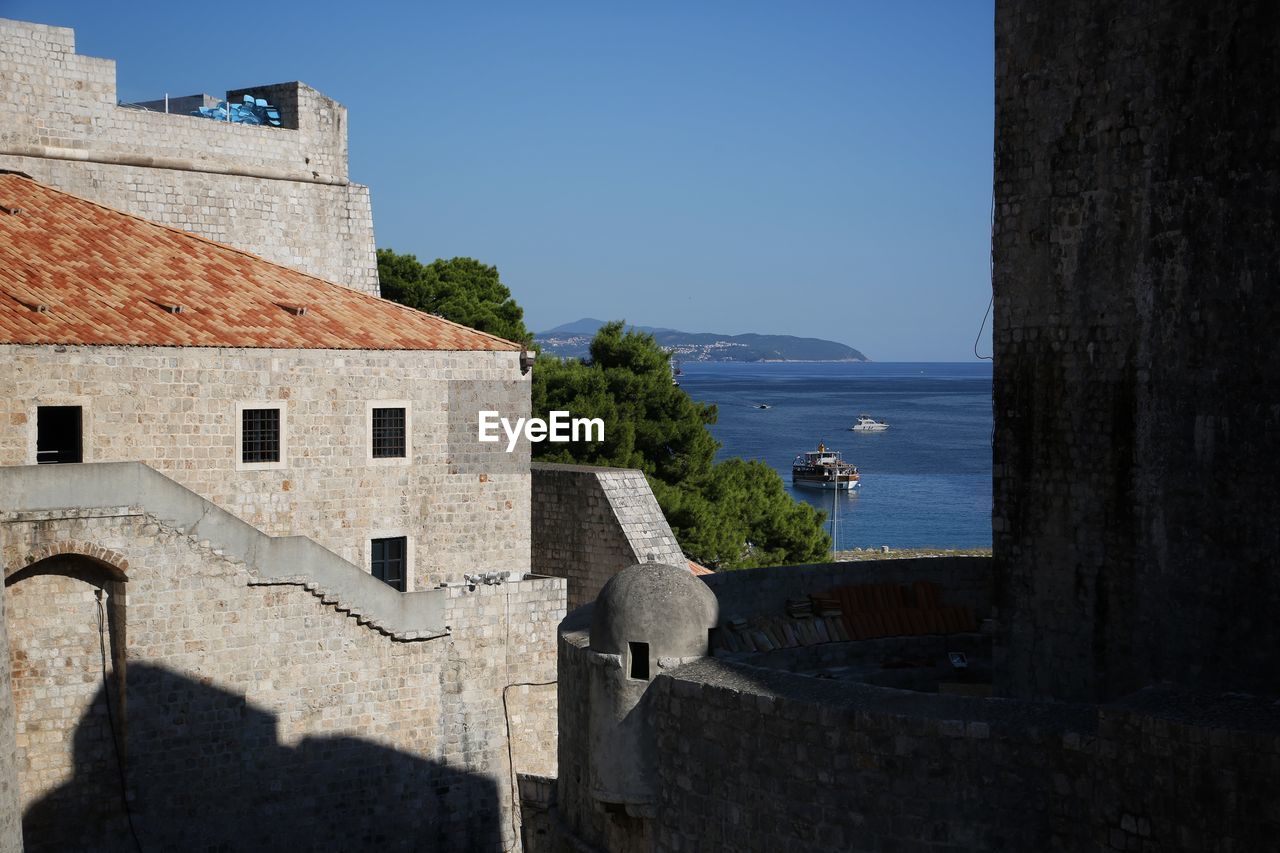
x=1137 y=374
x=279 y=192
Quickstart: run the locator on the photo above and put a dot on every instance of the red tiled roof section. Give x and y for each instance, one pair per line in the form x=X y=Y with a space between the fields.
x=75 y=272
x=698 y=568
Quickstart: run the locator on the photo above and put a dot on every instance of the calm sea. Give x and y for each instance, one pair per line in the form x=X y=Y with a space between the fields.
x=926 y=481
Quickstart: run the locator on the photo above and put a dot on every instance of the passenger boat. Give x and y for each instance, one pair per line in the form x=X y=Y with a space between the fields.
x=823 y=469
x=868 y=424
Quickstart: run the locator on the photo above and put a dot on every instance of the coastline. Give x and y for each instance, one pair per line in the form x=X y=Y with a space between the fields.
x=885 y=552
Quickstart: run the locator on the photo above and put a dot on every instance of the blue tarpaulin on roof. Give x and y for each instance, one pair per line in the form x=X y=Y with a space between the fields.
x=251 y=111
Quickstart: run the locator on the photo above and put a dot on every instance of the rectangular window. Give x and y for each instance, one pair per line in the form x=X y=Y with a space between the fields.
x=388 y=433
x=59 y=435
x=259 y=435
x=639 y=660
x=388 y=560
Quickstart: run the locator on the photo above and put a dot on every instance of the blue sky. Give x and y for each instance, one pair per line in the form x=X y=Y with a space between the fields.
x=803 y=168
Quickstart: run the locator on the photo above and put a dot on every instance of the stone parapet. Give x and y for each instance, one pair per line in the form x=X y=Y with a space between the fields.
x=591 y=522
x=279 y=192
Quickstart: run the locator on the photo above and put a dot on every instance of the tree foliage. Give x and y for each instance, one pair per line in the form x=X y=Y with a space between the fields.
x=462 y=290
x=732 y=514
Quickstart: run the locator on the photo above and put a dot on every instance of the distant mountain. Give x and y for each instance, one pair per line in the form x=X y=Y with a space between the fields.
x=572 y=340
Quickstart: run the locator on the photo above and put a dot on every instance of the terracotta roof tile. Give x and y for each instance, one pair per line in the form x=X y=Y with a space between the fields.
x=75 y=272
x=698 y=568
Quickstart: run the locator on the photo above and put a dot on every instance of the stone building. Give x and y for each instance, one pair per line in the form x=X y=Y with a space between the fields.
x=280 y=192
x=156 y=345
x=250 y=562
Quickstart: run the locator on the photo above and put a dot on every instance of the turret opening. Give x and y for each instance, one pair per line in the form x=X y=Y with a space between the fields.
x=639 y=666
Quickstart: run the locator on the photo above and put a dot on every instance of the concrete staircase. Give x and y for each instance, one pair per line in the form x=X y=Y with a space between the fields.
x=268 y=560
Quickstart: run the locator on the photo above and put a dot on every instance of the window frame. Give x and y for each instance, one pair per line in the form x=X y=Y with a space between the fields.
x=85 y=403
x=250 y=405
x=639 y=661
x=369 y=407
x=79 y=435
x=377 y=535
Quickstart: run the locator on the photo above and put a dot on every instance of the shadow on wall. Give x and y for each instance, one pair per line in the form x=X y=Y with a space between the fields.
x=205 y=771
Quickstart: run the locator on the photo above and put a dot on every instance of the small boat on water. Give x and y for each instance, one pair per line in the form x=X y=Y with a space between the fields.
x=763 y=406
x=869 y=424
x=824 y=469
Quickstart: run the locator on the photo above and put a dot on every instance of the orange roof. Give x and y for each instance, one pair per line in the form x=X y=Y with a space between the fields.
x=698 y=568
x=75 y=272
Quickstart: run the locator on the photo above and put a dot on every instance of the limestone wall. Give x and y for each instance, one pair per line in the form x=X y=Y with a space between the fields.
x=463 y=505
x=591 y=522
x=282 y=193
x=1137 y=294
x=753 y=759
x=10 y=797
x=349 y=737
x=580 y=817
x=963 y=582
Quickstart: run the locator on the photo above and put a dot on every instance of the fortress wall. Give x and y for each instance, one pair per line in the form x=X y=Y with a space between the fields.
x=10 y=796
x=753 y=759
x=580 y=817
x=463 y=505
x=1137 y=294
x=351 y=738
x=325 y=230
x=513 y=623
x=282 y=193
x=591 y=522
x=963 y=582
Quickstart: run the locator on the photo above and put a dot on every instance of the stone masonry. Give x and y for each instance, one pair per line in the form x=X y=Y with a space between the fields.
x=464 y=505
x=10 y=796
x=591 y=522
x=348 y=733
x=753 y=756
x=760 y=760
x=282 y=193
x=1137 y=377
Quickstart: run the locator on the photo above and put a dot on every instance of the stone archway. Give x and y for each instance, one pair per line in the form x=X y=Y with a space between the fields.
x=65 y=614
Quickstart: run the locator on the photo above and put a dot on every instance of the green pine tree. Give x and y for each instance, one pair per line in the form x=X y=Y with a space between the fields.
x=462 y=290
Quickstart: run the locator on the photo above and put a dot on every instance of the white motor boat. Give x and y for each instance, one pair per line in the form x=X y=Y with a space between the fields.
x=869 y=424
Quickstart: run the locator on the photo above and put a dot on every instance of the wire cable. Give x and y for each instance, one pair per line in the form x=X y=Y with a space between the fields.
x=980 y=328
x=516 y=822
x=991 y=273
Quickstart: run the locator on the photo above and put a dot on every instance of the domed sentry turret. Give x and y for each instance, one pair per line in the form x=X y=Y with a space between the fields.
x=650 y=611
x=646 y=614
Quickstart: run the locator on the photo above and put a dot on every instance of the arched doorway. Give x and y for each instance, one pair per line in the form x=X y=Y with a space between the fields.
x=65 y=615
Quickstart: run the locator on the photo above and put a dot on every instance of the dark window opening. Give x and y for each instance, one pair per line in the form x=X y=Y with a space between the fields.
x=639 y=660
x=260 y=435
x=388 y=433
x=58 y=434
x=388 y=562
